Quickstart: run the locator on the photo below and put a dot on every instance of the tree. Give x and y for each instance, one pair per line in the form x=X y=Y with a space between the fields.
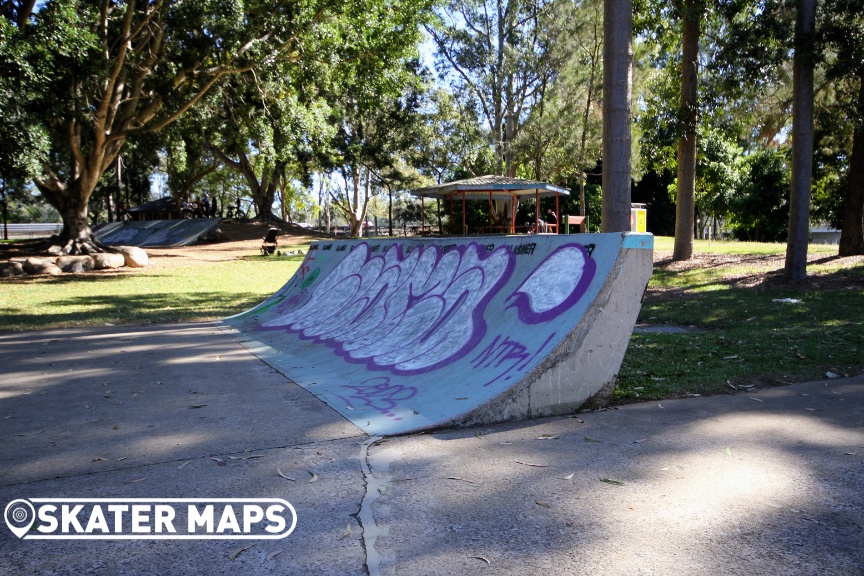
x=500 y=57
x=272 y=125
x=852 y=235
x=374 y=133
x=760 y=205
x=617 y=84
x=567 y=124
x=376 y=112
x=842 y=30
x=100 y=73
x=691 y=16
x=802 y=142
x=759 y=62
x=127 y=182
x=187 y=157
x=593 y=52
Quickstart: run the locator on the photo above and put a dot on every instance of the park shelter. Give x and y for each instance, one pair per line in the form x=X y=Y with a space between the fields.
x=492 y=188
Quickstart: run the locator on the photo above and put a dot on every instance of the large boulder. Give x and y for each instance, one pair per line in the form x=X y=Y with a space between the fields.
x=75 y=264
x=36 y=266
x=134 y=256
x=10 y=269
x=108 y=260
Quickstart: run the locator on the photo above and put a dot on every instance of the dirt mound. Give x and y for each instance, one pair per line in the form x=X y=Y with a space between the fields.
x=235 y=230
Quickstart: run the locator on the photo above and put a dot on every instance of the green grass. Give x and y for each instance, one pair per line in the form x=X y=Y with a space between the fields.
x=743 y=337
x=735 y=247
x=180 y=294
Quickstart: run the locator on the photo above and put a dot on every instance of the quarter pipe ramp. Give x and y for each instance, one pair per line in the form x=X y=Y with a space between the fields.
x=411 y=334
x=183 y=232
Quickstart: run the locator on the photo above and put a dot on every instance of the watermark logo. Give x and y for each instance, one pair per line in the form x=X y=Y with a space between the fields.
x=150 y=518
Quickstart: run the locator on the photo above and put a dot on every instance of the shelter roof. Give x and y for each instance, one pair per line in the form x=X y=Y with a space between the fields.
x=481 y=187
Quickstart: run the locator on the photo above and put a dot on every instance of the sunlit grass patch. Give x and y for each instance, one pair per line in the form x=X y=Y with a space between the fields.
x=176 y=294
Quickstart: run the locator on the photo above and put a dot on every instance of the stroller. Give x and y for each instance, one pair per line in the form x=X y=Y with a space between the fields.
x=268 y=247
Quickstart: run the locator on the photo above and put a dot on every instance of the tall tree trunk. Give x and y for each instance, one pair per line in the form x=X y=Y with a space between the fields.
x=263 y=191
x=802 y=142
x=390 y=211
x=685 y=197
x=286 y=213
x=4 y=205
x=617 y=85
x=71 y=203
x=852 y=234
x=589 y=101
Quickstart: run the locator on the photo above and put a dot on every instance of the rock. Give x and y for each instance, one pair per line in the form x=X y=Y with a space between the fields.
x=108 y=260
x=35 y=266
x=10 y=269
x=75 y=264
x=135 y=257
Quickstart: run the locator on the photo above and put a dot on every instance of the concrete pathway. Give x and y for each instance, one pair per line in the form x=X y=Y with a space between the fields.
x=764 y=482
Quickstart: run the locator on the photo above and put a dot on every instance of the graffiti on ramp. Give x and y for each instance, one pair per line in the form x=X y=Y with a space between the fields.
x=399 y=335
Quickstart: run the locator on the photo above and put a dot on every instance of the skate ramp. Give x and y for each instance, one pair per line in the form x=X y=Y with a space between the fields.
x=405 y=335
x=164 y=233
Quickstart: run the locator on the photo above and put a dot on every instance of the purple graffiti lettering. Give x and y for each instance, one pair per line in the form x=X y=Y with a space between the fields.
x=555 y=285
x=289 y=303
x=499 y=352
x=408 y=313
x=504 y=352
x=379 y=394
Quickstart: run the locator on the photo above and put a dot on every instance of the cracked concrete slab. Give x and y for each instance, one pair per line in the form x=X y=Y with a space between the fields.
x=767 y=482
x=172 y=412
x=85 y=401
x=758 y=482
x=327 y=539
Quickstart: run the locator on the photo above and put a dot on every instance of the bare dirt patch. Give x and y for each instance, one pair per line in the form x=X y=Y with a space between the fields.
x=243 y=240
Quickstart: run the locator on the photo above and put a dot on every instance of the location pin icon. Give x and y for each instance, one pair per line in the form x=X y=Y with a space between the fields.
x=19 y=517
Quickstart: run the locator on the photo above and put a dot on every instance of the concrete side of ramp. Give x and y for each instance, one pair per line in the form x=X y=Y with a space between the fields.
x=156 y=232
x=405 y=335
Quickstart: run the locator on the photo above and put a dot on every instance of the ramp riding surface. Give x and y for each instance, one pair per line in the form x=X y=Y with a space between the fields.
x=411 y=334
x=145 y=233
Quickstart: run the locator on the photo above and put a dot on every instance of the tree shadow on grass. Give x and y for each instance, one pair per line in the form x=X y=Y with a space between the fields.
x=842 y=279
x=160 y=307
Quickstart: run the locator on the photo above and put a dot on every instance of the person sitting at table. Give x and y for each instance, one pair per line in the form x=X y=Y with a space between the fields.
x=534 y=228
x=551 y=218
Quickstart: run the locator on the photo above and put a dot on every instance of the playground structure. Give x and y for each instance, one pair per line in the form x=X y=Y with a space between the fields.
x=412 y=334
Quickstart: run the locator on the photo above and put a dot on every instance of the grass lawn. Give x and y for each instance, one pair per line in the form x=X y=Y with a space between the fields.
x=727 y=293
x=747 y=332
x=166 y=294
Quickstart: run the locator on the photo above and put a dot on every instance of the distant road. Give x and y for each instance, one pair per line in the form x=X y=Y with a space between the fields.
x=32 y=230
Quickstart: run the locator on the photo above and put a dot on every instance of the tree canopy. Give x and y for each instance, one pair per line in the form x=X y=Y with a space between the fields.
x=287 y=99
